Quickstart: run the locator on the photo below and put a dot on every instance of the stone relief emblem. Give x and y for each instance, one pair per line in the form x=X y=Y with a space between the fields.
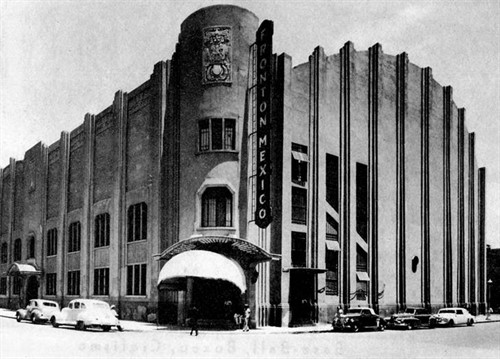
x=217 y=54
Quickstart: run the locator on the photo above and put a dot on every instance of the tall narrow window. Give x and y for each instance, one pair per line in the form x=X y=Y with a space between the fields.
x=137 y=222
x=332 y=272
x=136 y=279
x=229 y=133
x=3 y=286
x=50 y=283
x=5 y=253
x=299 y=247
x=101 y=230
x=332 y=181
x=216 y=207
x=204 y=135
x=74 y=237
x=74 y=282
x=361 y=290
x=52 y=242
x=362 y=200
x=299 y=205
x=31 y=247
x=300 y=161
x=101 y=281
x=17 y=250
x=332 y=228
x=361 y=259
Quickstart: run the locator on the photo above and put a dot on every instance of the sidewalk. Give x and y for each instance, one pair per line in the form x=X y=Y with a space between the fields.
x=135 y=326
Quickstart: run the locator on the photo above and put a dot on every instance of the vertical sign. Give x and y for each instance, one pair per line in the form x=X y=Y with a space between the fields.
x=264 y=72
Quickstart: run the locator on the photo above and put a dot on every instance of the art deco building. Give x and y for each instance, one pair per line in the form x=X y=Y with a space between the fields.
x=232 y=177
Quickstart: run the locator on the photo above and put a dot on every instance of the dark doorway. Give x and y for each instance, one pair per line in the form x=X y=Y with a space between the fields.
x=303 y=297
x=216 y=300
x=32 y=288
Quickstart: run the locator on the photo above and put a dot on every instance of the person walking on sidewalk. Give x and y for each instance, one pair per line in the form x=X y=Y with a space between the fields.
x=193 y=320
x=246 y=328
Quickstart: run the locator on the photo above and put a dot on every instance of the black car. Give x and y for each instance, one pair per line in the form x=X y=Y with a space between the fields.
x=356 y=319
x=411 y=318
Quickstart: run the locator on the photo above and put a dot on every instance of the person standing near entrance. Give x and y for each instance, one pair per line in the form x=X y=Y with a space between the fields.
x=247 y=313
x=193 y=320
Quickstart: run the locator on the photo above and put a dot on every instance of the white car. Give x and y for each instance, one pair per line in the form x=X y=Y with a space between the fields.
x=453 y=316
x=38 y=311
x=87 y=313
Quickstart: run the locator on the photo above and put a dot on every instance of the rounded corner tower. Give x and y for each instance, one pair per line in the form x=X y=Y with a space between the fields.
x=212 y=61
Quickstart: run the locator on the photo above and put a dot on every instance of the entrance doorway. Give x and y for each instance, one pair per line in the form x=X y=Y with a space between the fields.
x=216 y=300
x=303 y=297
x=32 y=288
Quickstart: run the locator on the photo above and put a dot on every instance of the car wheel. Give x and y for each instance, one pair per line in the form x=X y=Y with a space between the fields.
x=120 y=329
x=53 y=322
x=470 y=322
x=80 y=325
x=409 y=326
x=451 y=323
x=381 y=327
x=18 y=317
x=33 y=319
x=355 y=328
x=106 y=328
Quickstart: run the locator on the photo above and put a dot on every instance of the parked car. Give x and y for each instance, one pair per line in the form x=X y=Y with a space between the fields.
x=411 y=318
x=453 y=316
x=356 y=319
x=87 y=313
x=38 y=311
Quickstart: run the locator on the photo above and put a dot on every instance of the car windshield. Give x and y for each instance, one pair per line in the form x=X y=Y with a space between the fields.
x=354 y=311
x=446 y=311
x=47 y=304
x=101 y=306
x=410 y=310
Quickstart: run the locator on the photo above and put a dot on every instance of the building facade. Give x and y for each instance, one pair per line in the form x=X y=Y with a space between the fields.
x=232 y=177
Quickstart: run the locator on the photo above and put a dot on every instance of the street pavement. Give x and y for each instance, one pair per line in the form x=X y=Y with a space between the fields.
x=144 y=340
x=137 y=326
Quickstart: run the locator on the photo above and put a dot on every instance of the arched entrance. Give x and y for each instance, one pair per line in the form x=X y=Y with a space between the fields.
x=32 y=288
x=213 y=273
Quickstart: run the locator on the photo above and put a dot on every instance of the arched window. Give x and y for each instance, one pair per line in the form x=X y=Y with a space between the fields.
x=31 y=247
x=17 y=250
x=216 y=207
x=4 y=254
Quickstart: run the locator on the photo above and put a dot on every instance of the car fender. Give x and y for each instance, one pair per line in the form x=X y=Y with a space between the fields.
x=22 y=313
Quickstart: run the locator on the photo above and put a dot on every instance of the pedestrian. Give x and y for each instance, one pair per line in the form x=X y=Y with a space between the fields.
x=488 y=313
x=193 y=320
x=114 y=311
x=246 y=328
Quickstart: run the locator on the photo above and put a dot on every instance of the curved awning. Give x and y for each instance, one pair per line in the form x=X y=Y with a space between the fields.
x=202 y=264
x=242 y=250
x=22 y=269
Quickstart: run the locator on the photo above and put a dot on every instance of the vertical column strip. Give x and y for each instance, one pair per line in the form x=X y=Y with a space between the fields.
x=425 y=220
x=461 y=212
x=482 y=239
x=345 y=171
x=447 y=251
x=373 y=100
x=472 y=221
x=401 y=94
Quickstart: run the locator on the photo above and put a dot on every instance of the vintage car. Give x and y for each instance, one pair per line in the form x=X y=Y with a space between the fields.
x=87 y=313
x=453 y=316
x=356 y=319
x=38 y=311
x=411 y=318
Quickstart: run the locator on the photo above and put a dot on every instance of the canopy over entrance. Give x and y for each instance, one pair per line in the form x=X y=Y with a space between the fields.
x=202 y=264
x=243 y=251
x=22 y=269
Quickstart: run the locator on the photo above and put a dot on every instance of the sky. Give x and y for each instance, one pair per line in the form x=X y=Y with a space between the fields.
x=61 y=59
